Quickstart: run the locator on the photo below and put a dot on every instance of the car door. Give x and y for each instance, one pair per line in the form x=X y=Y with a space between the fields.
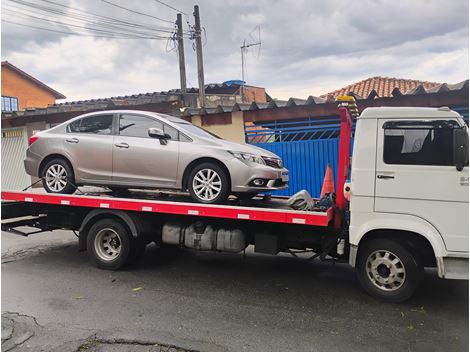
x=88 y=143
x=141 y=160
x=415 y=175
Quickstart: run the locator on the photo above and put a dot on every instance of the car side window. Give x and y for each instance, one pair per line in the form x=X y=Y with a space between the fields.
x=137 y=126
x=96 y=124
x=172 y=132
x=419 y=142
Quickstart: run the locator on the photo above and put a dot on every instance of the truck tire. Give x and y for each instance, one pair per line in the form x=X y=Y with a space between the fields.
x=208 y=184
x=111 y=246
x=58 y=177
x=388 y=269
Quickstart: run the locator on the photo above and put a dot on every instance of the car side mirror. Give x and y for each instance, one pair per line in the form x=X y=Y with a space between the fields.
x=460 y=148
x=159 y=134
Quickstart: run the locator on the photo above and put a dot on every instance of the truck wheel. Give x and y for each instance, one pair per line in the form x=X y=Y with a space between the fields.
x=208 y=184
x=58 y=177
x=388 y=270
x=111 y=246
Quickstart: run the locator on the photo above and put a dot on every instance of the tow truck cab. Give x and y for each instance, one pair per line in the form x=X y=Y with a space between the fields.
x=409 y=185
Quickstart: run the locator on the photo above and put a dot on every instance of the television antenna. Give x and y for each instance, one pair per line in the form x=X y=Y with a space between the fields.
x=244 y=49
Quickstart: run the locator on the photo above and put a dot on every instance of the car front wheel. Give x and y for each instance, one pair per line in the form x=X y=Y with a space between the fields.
x=208 y=183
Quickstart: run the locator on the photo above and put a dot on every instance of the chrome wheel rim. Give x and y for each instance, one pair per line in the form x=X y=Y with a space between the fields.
x=385 y=270
x=56 y=177
x=207 y=184
x=108 y=244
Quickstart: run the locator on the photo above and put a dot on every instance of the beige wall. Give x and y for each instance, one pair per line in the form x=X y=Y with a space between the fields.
x=234 y=132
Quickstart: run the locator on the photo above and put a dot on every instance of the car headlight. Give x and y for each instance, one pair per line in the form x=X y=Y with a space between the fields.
x=248 y=157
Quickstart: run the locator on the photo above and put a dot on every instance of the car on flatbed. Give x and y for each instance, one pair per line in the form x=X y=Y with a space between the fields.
x=138 y=149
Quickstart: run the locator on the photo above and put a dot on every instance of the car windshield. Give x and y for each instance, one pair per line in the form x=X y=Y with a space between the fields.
x=189 y=127
x=195 y=130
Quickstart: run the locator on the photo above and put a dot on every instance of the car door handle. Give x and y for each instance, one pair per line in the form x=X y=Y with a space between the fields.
x=72 y=140
x=385 y=176
x=122 y=145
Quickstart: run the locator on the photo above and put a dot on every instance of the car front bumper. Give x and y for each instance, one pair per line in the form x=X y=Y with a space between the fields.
x=243 y=174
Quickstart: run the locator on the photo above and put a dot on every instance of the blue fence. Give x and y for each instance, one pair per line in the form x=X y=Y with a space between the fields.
x=306 y=147
x=306 y=162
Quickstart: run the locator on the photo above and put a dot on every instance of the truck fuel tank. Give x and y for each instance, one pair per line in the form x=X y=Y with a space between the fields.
x=204 y=237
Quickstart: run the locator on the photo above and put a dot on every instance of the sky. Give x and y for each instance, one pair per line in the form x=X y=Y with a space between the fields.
x=307 y=47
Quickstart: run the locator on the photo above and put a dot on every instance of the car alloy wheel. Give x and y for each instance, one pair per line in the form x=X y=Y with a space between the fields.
x=207 y=184
x=56 y=177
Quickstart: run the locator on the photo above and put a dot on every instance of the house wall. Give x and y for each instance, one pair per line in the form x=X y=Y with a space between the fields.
x=255 y=94
x=233 y=130
x=28 y=93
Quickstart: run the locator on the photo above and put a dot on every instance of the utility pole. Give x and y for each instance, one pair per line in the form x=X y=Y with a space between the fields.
x=179 y=24
x=200 y=65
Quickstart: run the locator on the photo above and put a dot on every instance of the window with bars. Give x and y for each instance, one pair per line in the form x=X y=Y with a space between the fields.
x=9 y=103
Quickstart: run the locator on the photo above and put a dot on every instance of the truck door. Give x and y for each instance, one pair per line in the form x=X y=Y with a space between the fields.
x=415 y=175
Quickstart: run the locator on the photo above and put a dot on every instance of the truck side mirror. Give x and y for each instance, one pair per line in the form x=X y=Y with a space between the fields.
x=460 y=148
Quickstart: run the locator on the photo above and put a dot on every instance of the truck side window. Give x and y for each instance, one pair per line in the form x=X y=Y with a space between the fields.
x=418 y=142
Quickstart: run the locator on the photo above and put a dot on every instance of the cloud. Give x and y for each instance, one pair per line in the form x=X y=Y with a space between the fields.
x=308 y=47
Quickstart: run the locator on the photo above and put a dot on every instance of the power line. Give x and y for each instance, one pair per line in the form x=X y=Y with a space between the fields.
x=137 y=12
x=69 y=33
x=93 y=22
x=87 y=16
x=171 y=7
x=129 y=33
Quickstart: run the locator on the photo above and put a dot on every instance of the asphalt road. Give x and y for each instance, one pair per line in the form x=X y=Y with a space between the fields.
x=53 y=299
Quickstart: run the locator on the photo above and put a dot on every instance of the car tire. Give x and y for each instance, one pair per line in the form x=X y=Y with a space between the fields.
x=55 y=173
x=111 y=246
x=208 y=183
x=383 y=259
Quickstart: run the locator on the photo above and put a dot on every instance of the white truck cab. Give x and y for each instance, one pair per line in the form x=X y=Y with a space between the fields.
x=409 y=198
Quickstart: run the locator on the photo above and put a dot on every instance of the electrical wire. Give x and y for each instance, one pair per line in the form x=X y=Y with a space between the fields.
x=129 y=33
x=137 y=12
x=171 y=7
x=62 y=32
x=70 y=12
x=97 y=20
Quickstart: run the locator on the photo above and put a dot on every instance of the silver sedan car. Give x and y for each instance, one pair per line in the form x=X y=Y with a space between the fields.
x=140 y=149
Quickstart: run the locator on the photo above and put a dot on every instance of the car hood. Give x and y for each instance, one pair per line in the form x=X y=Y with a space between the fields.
x=241 y=147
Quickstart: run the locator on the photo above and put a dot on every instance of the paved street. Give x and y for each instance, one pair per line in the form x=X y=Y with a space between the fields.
x=179 y=300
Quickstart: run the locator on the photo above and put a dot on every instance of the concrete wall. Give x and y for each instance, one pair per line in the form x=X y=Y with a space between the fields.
x=28 y=93
x=234 y=131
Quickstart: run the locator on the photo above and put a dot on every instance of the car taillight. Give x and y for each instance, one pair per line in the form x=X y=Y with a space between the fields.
x=33 y=139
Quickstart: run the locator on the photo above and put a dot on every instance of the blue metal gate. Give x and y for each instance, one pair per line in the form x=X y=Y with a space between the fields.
x=306 y=146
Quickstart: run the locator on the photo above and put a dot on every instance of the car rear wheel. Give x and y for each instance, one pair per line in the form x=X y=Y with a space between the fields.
x=208 y=183
x=58 y=177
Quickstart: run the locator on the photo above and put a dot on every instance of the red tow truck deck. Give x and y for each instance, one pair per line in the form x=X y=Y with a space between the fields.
x=132 y=221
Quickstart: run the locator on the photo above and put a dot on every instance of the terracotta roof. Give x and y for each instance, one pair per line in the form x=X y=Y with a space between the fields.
x=380 y=86
x=55 y=93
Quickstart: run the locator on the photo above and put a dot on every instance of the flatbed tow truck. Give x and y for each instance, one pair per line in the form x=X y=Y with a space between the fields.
x=388 y=246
